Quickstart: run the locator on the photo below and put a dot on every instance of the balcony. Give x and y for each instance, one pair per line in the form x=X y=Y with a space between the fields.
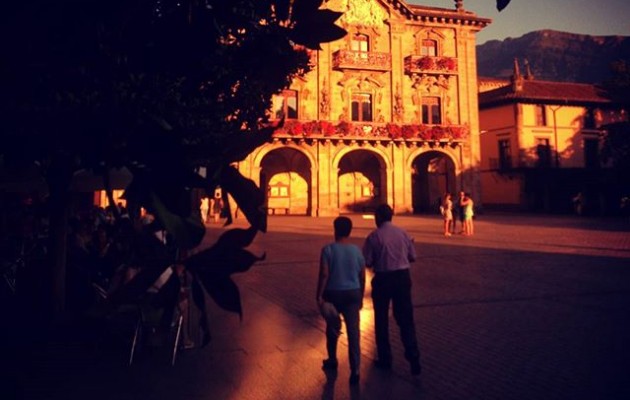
x=430 y=65
x=433 y=134
x=348 y=59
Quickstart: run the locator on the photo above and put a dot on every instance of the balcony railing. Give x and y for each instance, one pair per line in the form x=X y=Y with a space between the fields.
x=430 y=65
x=348 y=59
x=372 y=130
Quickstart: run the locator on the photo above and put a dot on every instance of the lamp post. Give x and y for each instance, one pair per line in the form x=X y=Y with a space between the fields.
x=555 y=133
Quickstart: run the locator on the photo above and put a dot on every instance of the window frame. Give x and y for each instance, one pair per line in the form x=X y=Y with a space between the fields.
x=540 y=115
x=504 y=147
x=358 y=98
x=428 y=106
x=285 y=96
x=428 y=47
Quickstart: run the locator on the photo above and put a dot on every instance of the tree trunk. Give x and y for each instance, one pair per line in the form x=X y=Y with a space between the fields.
x=59 y=179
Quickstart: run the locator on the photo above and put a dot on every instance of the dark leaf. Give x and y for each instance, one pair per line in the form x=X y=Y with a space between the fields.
x=282 y=9
x=240 y=145
x=221 y=261
x=225 y=293
x=501 y=4
x=237 y=238
x=311 y=34
x=250 y=198
x=303 y=8
x=187 y=232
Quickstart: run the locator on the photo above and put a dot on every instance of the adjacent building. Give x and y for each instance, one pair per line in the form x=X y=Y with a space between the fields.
x=540 y=143
x=388 y=114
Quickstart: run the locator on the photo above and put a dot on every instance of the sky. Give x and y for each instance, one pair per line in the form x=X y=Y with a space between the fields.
x=591 y=17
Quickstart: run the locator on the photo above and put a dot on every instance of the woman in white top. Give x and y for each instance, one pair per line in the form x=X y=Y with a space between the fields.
x=447 y=213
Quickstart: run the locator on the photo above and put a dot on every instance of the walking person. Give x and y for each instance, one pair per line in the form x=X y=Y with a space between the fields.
x=447 y=212
x=340 y=289
x=389 y=250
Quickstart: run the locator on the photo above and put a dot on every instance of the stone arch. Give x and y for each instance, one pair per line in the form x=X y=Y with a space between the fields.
x=258 y=155
x=432 y=173
x=362 y=179
x=286 y=173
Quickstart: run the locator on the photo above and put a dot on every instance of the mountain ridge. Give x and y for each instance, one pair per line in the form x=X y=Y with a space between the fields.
x=554 y=56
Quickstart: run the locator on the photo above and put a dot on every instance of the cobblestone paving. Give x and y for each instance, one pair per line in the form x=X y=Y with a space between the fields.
x=531 y=307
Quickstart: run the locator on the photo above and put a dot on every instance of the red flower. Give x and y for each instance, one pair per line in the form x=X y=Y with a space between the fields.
x=295 y=128
x=424 y=132
x=409 y=131
x=326 y=128
x=344 y=128
x=447 y=63
x=425 y=63
x=309 y=128
x=393 y=130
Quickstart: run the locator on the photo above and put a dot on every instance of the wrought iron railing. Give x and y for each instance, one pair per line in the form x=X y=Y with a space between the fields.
x=430 y=65
x=348 y=59
x=372 y=130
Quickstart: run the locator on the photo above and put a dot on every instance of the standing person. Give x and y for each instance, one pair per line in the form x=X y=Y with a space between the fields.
x=217 y=207
x=468 y=207
x=204 y=209
x=389 y=251
x=342 y=283
x=460 y=212
x=447 y=213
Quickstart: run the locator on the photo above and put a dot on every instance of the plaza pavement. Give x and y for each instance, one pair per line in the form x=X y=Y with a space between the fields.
x=530 y=307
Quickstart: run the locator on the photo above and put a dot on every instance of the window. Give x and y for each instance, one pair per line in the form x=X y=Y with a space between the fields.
x=431 y=110
x=541 y=116
x=278 y=190
x=591 y=153
x=505 y=154
x=360 y=43
x=543 y=151
x=428 y=48
x=361 y=107
x=285 y=105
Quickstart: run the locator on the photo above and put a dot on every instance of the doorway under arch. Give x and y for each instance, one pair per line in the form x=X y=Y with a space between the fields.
x=362 y=181
x=433 y=175
x=286 y=174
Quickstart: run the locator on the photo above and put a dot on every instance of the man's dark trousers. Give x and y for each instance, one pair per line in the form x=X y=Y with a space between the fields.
x=394 y=287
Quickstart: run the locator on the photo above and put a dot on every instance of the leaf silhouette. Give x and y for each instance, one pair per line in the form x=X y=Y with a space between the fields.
x=501 y=4
x=237 y=238
x=249 y=197
x=221 y=261
x=225 y=293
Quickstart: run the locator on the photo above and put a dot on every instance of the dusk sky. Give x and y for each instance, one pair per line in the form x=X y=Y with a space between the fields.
x=592 y=17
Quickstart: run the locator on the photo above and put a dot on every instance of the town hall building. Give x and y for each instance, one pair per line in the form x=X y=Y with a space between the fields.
x=388 y=114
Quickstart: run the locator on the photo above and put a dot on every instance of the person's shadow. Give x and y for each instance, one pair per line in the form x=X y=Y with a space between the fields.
x=328 y=392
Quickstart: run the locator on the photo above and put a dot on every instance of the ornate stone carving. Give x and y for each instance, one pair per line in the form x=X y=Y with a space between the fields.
x=399 y=108
x=324 y=104
x=368 y=13
x=430 y=83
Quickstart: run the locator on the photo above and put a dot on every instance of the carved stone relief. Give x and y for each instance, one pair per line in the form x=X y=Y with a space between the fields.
x=367 y=13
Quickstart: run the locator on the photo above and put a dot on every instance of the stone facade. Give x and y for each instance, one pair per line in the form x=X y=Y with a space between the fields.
x=388 y=114
x=540 y=142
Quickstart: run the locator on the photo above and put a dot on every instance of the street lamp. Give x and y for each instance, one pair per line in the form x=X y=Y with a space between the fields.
x=555 y=133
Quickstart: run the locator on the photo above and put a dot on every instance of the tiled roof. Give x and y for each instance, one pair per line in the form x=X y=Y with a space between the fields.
x=545 y=92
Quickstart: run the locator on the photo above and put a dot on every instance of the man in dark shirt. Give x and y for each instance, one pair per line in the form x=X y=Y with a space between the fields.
x=389 y=251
